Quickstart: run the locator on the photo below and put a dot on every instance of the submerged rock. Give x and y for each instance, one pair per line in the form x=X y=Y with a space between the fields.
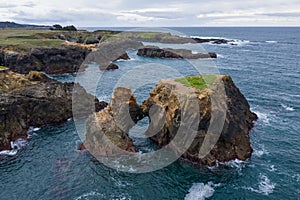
x=36 y=100
x=172 y=53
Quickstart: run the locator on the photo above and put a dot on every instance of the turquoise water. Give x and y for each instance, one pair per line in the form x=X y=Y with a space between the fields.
x=265 y=66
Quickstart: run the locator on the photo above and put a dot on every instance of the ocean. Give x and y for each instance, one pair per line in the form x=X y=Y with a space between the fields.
x=264 y=63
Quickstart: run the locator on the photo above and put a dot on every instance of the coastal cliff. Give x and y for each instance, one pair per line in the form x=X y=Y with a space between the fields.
x=36 y=100
x=56 y=60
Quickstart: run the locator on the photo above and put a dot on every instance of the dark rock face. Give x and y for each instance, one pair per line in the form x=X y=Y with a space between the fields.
x=107 y=131
x=112 y=66
x=234 y=141
x=212 y=40
x=124 y=56
x=172 y=53
x=39 y=101
x=67 y=59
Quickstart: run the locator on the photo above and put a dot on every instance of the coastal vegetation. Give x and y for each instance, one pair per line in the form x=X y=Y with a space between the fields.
x=199 y=82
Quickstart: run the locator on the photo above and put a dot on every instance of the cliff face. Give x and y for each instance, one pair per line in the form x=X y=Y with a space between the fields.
x=232 y=143
x=36 y=100
x=107 y=131
x=65 y=59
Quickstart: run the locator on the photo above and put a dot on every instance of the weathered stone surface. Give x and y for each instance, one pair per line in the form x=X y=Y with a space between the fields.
x=37 y=100
x=107 y=130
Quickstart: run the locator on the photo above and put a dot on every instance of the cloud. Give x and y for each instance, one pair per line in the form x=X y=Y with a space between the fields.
x=152 y=13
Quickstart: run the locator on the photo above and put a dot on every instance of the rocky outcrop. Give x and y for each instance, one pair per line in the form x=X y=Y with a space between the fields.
x=232 y=143
x=36 y=100
x=172 y=53
x=107 y=130
x=112 y=66
x=212 y=40
x=65 y=59
x=185 y=115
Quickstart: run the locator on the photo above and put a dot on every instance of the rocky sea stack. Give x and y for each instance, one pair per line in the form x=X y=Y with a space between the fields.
x=189 y=102
x=231 y=143
x=107 y=130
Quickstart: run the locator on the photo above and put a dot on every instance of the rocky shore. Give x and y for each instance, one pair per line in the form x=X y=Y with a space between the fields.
x=107 y=131
x=36 y=100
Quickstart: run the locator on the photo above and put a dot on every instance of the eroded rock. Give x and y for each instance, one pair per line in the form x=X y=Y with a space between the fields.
x=107 y=130
x=232 y=143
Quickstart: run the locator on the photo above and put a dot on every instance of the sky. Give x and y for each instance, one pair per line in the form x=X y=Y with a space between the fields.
x=157 y=13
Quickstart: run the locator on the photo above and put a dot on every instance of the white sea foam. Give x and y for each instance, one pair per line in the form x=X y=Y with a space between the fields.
x=201 y=191
x=288 y=108
x=9 y=152
x=238 y=164
x=220 y=56
x=16 y=146
x=260 y=151
x=264 y=117
x=89 y=194
x=271 y=41
x=237 y=42
x=36 y=129
x=297 y=177
x=265 y=186
x=272 y=168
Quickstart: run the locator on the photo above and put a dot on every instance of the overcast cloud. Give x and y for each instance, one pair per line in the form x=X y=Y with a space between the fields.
x=159 y=13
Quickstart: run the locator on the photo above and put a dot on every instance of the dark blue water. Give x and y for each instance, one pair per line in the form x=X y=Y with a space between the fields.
x=265 y=66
